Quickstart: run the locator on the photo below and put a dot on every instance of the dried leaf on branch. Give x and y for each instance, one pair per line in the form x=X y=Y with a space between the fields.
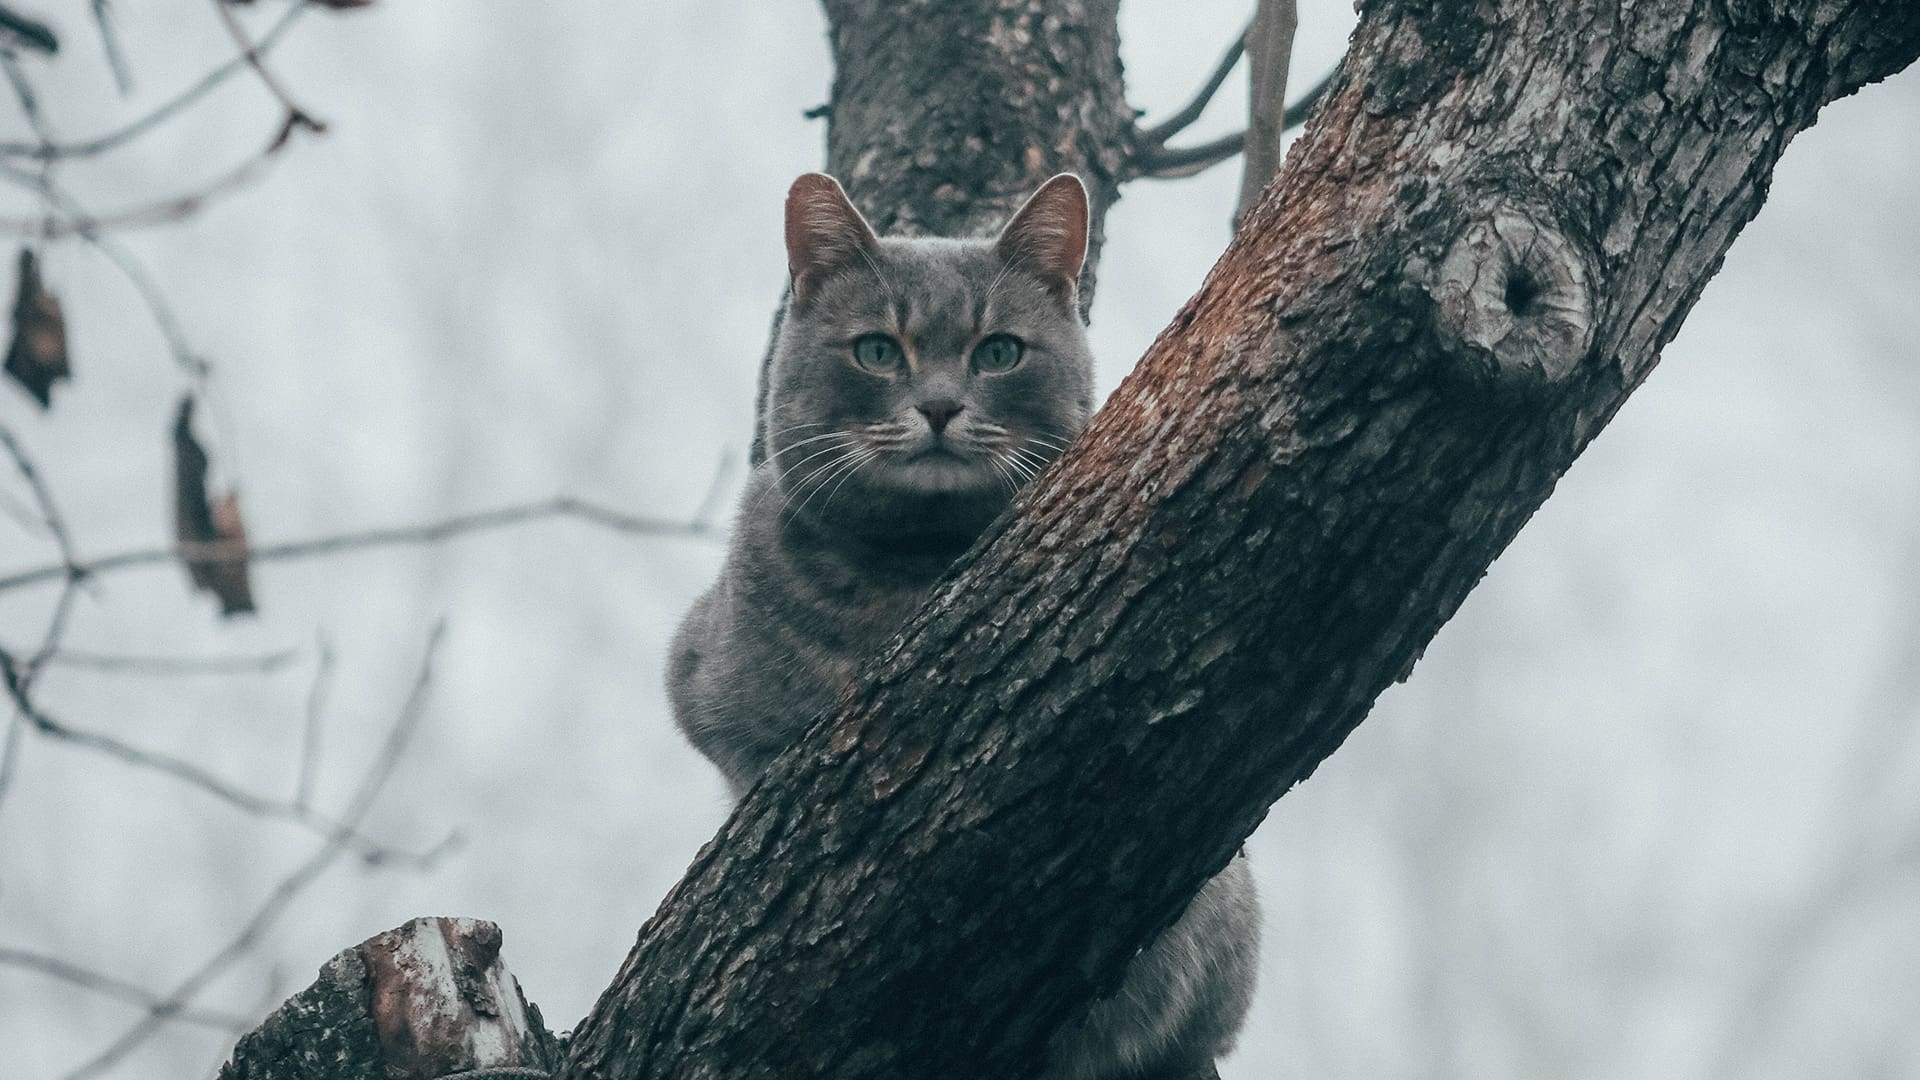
x=213 y=540
x=37 y=358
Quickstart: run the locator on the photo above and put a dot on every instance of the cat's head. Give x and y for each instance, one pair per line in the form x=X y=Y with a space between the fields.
x=917 y=383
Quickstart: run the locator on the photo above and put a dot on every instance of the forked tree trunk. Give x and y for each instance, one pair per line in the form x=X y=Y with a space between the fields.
x=1500 y=215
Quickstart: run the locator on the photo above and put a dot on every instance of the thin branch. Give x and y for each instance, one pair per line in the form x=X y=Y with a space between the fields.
x=196 y=776
x=129 y=267
x=161 y=211
x=310 y=737
x=1178 y=164
x=110 y=45
x=18 y=29
x=289 y=888
x=296 y=116
x=1269 y=48
x=29 y=101
x=1181 y=120
x=136 y=664
x=63 y=606
x=429 y=533
x=43 y=495
x=10 y=753
x=100 y=144
x=117 y=988
x=1172 y=163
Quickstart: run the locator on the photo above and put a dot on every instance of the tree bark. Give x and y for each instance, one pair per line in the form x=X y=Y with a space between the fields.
x=423 y=1001
x=1500 y=215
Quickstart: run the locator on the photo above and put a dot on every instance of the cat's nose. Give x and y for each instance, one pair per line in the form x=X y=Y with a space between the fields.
x=938 y=412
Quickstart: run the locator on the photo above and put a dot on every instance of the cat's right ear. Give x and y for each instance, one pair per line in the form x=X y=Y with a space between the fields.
x=1047 y=237
x=824 y=233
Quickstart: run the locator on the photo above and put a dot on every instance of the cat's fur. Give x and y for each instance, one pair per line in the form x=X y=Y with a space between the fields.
x=875 y=481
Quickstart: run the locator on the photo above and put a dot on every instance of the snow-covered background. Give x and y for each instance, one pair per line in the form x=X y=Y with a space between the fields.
x=1649 y=807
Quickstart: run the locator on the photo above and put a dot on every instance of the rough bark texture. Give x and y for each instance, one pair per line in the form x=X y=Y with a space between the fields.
x=426 y=1000
x=1501 y=214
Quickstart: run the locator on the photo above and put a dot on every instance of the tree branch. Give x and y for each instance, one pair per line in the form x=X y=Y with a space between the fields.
x=1188 y=113
x=118 y=989
x=1381 y=379
x=433 y=532
x=1449 y=292
x=1270 y=48
x=1154 y=162
x=99 y=144
x=161 y=211
x=296 y=116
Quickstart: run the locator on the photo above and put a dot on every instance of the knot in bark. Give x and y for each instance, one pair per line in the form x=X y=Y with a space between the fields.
x=1512 y=295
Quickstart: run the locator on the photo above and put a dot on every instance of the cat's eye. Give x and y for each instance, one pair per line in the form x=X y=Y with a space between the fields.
x=877 y=353
x=999 y=353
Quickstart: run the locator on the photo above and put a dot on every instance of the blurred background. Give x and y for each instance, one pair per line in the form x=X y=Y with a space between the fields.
x=1650 y=806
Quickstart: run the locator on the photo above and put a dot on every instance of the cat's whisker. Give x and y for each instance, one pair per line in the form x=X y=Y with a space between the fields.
x=1006 y=477
x=869 y=456
x=847 y=466
x=781 y=477
x=1034 y=461
x=810 y=439
x=796 y=427
x=849 y=439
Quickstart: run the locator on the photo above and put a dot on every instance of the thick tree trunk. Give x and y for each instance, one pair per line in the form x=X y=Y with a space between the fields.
x=1501 y=214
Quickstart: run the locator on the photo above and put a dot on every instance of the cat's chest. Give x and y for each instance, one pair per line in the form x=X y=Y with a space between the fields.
x=818 y=640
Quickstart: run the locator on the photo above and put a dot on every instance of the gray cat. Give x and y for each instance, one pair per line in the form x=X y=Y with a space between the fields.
x=916 y=384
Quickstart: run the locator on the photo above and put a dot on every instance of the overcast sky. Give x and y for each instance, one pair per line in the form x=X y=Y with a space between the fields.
x=1649 y=806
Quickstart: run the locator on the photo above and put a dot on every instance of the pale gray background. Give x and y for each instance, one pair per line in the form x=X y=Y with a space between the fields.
x=1649 y=807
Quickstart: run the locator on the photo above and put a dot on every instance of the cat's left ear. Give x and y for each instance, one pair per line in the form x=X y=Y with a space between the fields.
x=1048 y=236
x=824 y=232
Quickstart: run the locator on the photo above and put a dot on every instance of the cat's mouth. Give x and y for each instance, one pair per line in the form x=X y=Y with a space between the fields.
x=940 y=468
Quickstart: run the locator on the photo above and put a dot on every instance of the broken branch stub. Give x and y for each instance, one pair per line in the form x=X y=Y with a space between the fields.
x=426 y=1000
x=1512 y=297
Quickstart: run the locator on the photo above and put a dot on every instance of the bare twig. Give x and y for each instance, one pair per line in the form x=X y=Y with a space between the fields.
x=428 y=533
x=100 y=144
x=1269 y=47
x=21 y=674
x=27 y=32
x=201 y=779
x=1181 y=120
x=110 y=45
x=29 y=101
x=1171 y=163
x=42 y=183
x=10 y=753
x=296 y=116
x=163 y=211
x=310 y=737
x=50 y=514
x=289 y=888
x=117 y=988
x=135 y=664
